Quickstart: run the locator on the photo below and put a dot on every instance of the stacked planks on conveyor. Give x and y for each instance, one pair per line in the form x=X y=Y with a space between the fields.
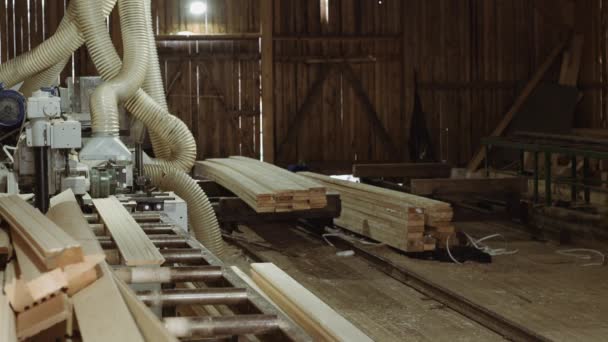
x=58 y=277
x=264 y=187
x=398 y=219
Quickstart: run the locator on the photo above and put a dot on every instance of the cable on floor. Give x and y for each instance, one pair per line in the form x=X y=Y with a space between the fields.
x=583 y=254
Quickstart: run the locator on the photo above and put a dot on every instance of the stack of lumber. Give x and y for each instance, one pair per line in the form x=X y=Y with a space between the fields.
x=398 y=219
x=58 y=282
x=320 y=321
x=264 y=187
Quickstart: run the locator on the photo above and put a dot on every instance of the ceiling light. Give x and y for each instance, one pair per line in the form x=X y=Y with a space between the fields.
x=198 y=8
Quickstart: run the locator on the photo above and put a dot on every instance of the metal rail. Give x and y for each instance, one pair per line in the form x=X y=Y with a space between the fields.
x=487 y=318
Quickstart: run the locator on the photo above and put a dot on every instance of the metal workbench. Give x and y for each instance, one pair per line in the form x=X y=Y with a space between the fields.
x=547 y=145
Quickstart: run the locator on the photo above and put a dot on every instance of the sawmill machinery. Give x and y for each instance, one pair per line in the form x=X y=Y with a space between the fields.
x=88 y=137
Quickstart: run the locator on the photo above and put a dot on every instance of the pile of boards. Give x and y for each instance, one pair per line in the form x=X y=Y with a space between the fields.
x=55 y=280
x=404 y=221
x=264 y=187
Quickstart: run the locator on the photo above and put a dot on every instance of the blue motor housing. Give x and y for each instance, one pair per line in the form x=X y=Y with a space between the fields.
x=12 y=108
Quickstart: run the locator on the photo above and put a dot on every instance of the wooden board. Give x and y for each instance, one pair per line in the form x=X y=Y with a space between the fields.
x=434 y=210
x=44 y=316
x=8 y=329
x=265 y=187
x=50 y=245
x=6 y=249
x=519 y=102
x=150 y=326
x=316 y=317
x=135 y=247
x=402 y=170
x=101 y=312
x=517 y=185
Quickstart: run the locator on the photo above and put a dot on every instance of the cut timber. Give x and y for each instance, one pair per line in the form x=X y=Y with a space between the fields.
x=6 y=248
x=519 y=102
x=469 y=185
x=313 y=315
x=50 y=246
x=264 y=187
x=8 y=328
x=26 y=295
x=256 y=195
x=571 y=63
x=43 y=316
x=149 y=325
x=402 y=170
x=435 y=211
x=101 y=312
x=135 y=247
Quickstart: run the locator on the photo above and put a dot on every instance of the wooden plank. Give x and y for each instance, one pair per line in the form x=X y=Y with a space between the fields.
x=135 y=247
x=6 y=248
x=313 y=94
x=101 y=312
x=315 y=317
x=475 y=163
x=256 y=195
x=44 y=316
x=267 y=15
x=51 y=246
x=150 y=326
x=479 y=185
x=405 y=170
x=8 y=328
x=571 y=64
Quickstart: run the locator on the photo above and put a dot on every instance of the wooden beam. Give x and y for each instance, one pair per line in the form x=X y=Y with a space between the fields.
x=460 y=186
x=571 y=64
x=268 y=143
x=313 y=315
x=135 y=247
x=50 y=245
x=102 y=314
x=475 y=162
x=305 y=109
x=350 y=75
x=208 y=37
x=6 y=248
x=8 y=328
x=402 y=170
x=150 y=326
x=43 y=316
x=337 y=38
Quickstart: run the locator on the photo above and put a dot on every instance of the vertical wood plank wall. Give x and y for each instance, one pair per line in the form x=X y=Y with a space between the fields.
x=471 y=57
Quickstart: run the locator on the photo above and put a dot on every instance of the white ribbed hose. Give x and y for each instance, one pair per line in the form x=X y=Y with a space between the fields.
x=56 y=49
x=173 y=132
x=125 y=78
x=200 y=212
x=168 y=174
x=153 y=86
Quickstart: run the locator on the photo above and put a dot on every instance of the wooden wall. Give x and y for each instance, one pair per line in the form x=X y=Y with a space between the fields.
x=343 y=79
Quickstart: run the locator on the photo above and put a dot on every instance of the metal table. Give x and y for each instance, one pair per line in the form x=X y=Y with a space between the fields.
x=549 y=144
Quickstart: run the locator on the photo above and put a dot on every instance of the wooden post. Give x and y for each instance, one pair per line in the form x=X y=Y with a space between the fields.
x=267 y=79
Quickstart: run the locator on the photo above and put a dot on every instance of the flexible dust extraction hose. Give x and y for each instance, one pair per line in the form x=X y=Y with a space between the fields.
x=153 y=85
x=44 y=79
x=170 y=129
x=200 y=212
x=127 y=76
x=56 y=49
